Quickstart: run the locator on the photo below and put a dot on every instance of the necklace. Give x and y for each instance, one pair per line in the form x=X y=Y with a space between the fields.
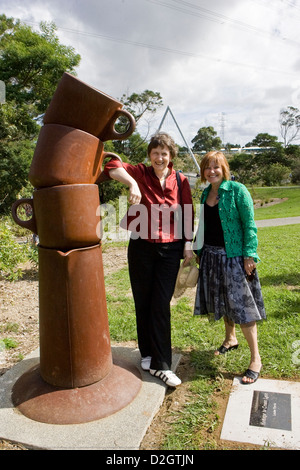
x=216 y=196
x=215 y=193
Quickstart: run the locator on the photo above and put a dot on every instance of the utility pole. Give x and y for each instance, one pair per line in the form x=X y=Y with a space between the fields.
x=222 y=126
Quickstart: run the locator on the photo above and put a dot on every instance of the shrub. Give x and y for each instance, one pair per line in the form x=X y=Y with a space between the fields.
x=12 y=253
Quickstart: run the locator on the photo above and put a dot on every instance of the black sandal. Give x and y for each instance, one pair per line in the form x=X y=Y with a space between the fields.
x=223 y=350
x=250 y=374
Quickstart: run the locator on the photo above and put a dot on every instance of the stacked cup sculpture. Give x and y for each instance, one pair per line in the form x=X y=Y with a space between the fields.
x=75 y=350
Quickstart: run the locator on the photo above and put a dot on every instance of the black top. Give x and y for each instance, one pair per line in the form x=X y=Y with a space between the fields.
x=213 y=234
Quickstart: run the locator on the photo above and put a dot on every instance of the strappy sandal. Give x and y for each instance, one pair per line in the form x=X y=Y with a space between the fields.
x=223 y=350
x=250 y=374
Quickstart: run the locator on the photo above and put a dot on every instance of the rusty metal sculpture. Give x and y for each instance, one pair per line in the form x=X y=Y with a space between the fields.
x=76 y=380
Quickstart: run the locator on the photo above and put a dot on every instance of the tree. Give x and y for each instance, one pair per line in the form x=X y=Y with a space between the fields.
x=263 y=140
x=289 y=124
x=229 y=146
x=275 y=174
x=245 y=168
x=206 y=139
x=276 y=154
x=293 y=156
x=15 y=161
x=31 y=64
x=142 y=106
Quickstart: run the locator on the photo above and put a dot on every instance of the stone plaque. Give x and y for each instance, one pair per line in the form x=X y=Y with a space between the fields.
x=271 y=410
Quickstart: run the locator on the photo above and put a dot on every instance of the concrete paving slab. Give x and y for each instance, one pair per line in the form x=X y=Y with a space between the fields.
x=123 y=430
x=277 y=222
x=265 y=413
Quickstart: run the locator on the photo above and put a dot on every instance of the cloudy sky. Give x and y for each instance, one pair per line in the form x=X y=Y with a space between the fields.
x=230 y=64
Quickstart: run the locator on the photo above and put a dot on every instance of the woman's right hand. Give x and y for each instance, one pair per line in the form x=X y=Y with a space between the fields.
x=120 y=174
x=134 y=193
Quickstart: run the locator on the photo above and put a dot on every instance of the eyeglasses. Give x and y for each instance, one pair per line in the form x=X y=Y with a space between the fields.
x=250 y=277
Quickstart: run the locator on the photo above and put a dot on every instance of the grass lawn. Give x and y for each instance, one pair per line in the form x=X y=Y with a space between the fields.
x=289 y=208
x=197 y=337
x=279 y=336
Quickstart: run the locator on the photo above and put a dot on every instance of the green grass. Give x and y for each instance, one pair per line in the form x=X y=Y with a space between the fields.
x=279 y=336
x=288 y=208
x=120 y=306
x=8 y=343
x=197 y=338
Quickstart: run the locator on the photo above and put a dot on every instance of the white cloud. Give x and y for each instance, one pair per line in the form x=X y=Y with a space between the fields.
x=205 y=58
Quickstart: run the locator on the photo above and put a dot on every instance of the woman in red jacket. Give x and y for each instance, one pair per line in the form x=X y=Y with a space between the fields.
x=160 y=203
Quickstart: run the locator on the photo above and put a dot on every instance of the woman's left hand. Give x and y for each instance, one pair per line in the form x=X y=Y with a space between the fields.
x=249 y=265
x=188 y=256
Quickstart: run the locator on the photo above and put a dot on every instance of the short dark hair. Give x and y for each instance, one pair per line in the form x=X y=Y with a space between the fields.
x=161 y=139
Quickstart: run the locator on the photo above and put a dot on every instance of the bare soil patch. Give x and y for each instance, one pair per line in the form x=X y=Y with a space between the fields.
x=261 y=203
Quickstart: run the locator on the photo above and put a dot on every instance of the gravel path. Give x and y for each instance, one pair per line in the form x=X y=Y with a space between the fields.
x=276 y=222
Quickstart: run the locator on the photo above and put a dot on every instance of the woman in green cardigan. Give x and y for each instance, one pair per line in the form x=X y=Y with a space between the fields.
x=228 y=284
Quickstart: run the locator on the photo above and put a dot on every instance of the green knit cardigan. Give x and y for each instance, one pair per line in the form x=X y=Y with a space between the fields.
x=237 y=218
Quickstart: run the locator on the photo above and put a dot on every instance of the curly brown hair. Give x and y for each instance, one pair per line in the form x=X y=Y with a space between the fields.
x=161 y=139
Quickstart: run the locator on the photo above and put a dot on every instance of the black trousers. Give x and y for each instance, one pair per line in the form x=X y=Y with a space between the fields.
x=153 y=269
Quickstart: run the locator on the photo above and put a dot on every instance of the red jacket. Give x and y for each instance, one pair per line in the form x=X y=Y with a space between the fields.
x=158 y=218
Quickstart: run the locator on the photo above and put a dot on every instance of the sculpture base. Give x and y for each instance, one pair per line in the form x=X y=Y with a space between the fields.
x=45 y=403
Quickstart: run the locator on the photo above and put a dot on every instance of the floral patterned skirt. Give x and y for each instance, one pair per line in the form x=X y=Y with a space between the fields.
x=224 y=291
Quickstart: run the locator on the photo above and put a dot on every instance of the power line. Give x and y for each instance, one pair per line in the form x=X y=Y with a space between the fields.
x=170 y=50
x=290 y=4
x=272 y=6
x=219 y=18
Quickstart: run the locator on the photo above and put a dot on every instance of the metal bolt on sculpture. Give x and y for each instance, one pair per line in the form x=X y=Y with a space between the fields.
x=76 y=379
